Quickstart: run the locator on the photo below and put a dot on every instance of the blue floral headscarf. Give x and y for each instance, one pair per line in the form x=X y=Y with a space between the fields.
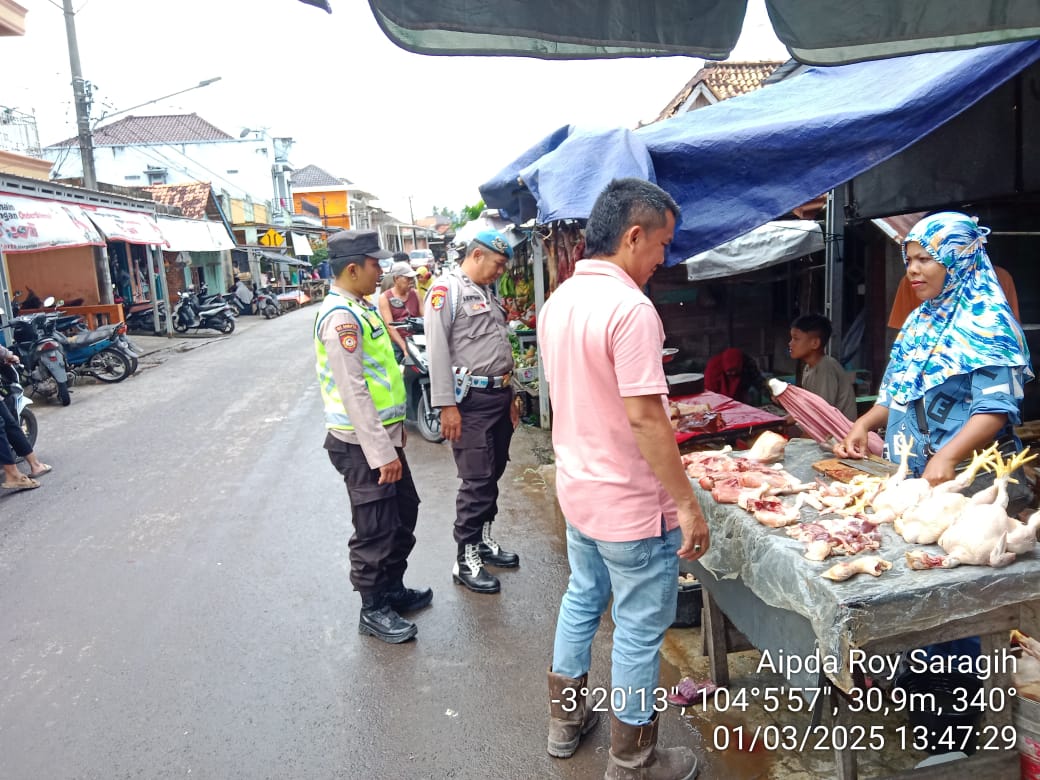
x=965 y=327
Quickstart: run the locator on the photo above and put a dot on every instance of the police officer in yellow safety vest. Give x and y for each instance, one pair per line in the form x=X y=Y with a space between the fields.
x=471 y=365
x=364 y=399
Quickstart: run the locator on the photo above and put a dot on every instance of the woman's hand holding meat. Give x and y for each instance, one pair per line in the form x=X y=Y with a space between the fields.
x=854 y=445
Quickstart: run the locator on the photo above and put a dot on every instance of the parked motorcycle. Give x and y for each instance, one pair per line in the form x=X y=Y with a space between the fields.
x=140 y=317
x=207 y=301
x=189 y=314
x=43 y=368
x=416 y=374
x=267 y=303
x=12 y=395
x=103 y=354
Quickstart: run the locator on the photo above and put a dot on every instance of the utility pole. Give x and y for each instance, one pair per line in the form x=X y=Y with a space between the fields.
x=79 y=89
x=411 y=211
x=86 y=147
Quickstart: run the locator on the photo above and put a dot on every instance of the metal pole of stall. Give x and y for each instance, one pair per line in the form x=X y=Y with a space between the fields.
x=834 y=273
x=158 y=258
x=538 y=255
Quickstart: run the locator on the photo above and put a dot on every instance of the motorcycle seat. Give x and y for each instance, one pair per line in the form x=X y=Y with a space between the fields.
x=86 y=339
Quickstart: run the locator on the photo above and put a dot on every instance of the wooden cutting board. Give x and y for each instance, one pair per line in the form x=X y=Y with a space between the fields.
x=835 y=469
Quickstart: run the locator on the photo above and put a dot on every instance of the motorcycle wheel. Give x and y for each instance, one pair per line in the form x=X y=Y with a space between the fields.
x=110 y=365
x=271 y=311
x=29 y=426
x=179 y=325
x=227 y=326
x=428 y=420
x=63 y=393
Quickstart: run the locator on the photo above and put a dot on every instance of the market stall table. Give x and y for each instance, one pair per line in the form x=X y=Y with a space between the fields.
x=757 y=579
x=739 y=420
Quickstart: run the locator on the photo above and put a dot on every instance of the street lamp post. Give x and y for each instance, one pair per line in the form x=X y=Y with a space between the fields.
x=203 y=83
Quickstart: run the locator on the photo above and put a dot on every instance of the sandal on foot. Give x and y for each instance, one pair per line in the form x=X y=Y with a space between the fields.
x=25 y=483
x=44 y=470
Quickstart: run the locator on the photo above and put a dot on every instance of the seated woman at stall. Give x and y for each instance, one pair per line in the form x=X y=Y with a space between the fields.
x=734 y=374
x=955 y=375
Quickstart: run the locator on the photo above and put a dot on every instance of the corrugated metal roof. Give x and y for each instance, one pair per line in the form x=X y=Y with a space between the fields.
x=170 y=128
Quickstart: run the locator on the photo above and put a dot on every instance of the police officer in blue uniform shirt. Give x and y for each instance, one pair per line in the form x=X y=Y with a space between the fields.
x=471 y=364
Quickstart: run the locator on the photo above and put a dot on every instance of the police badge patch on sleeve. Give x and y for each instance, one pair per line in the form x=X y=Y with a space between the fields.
x=348 y=336
x=437 y=296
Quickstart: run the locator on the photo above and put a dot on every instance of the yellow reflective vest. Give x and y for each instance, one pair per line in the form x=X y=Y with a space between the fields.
x=382 y=374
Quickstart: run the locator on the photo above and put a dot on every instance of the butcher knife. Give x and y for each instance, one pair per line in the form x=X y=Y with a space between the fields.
x=875 y=466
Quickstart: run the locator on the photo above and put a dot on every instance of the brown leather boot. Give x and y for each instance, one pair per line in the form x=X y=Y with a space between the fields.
x=634 y=755
x=570 y=717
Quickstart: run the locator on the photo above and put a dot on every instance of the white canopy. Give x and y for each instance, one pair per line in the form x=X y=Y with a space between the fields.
x=771 y=244
x=192 y=235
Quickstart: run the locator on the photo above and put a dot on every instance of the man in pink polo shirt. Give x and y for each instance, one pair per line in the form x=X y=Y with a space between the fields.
x=630 y=509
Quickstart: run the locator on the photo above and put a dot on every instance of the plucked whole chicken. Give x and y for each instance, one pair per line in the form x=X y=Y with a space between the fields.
x=983 y=534
x=926 y=521
x=768 y=448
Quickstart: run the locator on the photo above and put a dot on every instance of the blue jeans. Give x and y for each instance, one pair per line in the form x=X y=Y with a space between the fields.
x=642 y=575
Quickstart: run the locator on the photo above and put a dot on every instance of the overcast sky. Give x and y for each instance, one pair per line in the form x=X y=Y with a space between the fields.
x=397 y=123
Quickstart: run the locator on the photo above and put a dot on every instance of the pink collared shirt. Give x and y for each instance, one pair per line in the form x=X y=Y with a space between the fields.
x=600 y=341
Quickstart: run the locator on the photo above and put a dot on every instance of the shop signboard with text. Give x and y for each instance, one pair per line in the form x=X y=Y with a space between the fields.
x=32 y=225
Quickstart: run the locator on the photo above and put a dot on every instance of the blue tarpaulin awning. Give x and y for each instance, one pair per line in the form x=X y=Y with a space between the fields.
x=740 y=163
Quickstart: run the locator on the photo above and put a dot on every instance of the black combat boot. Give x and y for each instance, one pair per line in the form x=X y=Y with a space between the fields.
x=470 y=571
x=379 y=619
x=403 y=599
x=491 y=552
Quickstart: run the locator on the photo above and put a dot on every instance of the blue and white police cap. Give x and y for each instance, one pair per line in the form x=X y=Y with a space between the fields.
x=495 y=241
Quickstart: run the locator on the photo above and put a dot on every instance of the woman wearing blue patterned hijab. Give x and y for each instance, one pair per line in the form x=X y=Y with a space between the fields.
x=955 y=375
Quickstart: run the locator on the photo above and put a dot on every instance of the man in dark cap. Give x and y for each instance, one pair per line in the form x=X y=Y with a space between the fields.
x=388 y=277
x=471 y=364
x=364 y=399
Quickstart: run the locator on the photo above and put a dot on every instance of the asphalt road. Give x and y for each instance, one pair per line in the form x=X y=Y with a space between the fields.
x=175 y=597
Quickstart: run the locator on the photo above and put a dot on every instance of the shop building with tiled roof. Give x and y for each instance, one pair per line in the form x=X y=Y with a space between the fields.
x=145 y=151
x=718 y=81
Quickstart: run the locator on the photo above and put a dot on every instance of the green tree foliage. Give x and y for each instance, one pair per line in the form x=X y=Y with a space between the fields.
x=321 y=253
x=469 y=213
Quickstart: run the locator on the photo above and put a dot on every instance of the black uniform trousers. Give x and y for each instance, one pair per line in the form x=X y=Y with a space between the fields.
x=12 y=438
x=384 y=518
x=481 y=454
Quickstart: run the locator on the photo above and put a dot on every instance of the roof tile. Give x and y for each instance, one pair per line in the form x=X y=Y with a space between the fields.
x=191 y=199
x=313 y=176
x=170 y=129
x=724 y=80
